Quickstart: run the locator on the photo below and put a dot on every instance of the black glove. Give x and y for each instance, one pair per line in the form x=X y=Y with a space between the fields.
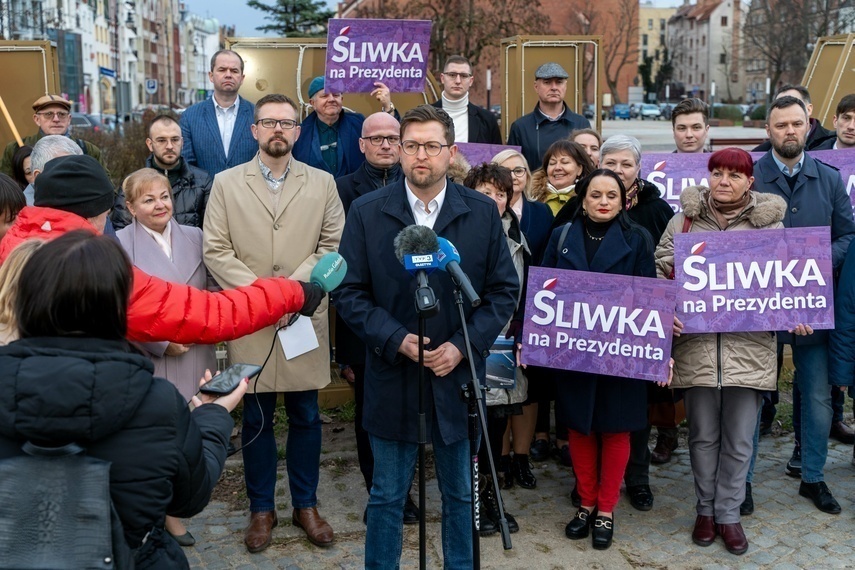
x=313 y=295
x=514 y=330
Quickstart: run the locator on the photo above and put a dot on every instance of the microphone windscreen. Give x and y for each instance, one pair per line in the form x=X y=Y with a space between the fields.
x=329 y=271
x=447 y=253
x=415 y=240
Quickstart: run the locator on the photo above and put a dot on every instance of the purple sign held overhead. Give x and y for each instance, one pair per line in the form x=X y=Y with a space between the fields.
x=362 y=52
x=599 y=323
x=759 y=280
x=479 y=153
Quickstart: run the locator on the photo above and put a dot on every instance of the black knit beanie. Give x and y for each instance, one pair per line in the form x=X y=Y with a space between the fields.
x=76 y=184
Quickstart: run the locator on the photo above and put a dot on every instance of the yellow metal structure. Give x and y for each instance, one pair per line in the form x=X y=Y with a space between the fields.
x=30 y=71
x=830 y=75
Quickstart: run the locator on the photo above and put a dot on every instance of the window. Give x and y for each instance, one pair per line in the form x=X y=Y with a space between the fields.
x=703 y=40
x=662 y=24
x=703 y=77
x=661 y=39
x=691 y=62
x=644 y=40
x=650 y=24
x=724 y=21
x=722 y=58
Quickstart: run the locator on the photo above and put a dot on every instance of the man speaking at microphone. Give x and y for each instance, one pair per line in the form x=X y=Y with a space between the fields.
x=376 y=300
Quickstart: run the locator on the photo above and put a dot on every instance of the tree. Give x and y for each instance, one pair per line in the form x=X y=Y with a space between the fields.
x=782 y=33
x=294 y=18
x=645 y=70
x=665 y=74
x=464 y=27
x=618 y=24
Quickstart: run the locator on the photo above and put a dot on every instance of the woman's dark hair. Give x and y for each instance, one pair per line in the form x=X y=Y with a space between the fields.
x=572 y=149
x=12 y=199
x=75 y=285
x=18 y=165
x=491 y=173
x=582 y=191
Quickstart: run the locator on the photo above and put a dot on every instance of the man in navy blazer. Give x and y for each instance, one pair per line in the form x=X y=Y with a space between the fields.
x=216 y=132
x=815 y=196
x=376 y=301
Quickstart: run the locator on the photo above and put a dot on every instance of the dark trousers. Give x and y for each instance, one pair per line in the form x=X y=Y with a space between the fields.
x=363 y=443
x=302 y=449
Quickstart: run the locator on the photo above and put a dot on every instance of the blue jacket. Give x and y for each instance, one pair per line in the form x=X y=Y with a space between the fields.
x=376 y=300
x=308 y=147
x=592 y=402
x=535 y=224
x=534 y=133
x=818 y=199
x=203 y=146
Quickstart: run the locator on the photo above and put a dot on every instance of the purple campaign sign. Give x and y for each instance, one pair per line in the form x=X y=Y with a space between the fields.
x=671 y=172
x=361 y=52
x=478 y=153
x=594 y=322
x=758 y=280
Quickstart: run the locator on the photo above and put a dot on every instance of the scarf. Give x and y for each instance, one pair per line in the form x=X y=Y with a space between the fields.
x=725 y=213
x=632 y=194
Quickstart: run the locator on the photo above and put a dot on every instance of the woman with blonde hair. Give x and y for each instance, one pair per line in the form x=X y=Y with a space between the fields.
x=10 y=272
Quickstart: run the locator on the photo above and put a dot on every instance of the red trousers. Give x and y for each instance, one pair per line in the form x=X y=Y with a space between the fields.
x=599 y=487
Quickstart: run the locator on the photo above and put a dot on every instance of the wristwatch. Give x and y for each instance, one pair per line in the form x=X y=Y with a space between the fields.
x=391 y=109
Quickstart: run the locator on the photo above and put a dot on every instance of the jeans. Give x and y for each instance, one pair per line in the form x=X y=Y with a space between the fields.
x=302 y=449
x=811 y=363
x=394 y=464
x=837 y=402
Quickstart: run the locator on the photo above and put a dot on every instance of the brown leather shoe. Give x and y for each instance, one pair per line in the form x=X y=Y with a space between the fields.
x=665 y=445
x=704 y=531
x=257 y=535
x=734 y=537
x=842 y=433
x=318 y=531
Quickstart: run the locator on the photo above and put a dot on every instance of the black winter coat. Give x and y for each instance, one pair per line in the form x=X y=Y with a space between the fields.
x=483 y=127
x=534 y=133
x=96 y=393
x=189 y=197
x=593 y=402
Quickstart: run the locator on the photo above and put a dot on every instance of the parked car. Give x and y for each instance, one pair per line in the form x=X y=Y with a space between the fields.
x=589 y=111
x=666 y=109
x=650 y=111
x=81 y=122
x=633 y=110
x=621 y=111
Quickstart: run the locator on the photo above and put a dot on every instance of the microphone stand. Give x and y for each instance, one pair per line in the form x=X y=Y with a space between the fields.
x=426 y=306
x=473 y=394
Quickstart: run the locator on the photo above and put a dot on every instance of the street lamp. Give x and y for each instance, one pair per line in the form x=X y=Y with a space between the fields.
x=712 y=99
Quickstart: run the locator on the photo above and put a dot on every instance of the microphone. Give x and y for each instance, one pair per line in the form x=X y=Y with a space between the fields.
x=415 y=248
x=449 y=261
x=329 y=271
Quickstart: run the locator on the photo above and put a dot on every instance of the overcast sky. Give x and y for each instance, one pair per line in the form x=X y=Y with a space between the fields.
x=235 y=12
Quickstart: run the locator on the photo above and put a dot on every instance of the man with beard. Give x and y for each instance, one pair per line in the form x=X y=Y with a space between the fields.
x=330 y=139
x=216 y=132
x=816 y=133
x=815 y=196
x=376 y=301
x=191 y=186
x=277 y=216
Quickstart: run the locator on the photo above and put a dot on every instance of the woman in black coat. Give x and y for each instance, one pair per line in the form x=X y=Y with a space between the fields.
x=72 y=360
x=600 y=411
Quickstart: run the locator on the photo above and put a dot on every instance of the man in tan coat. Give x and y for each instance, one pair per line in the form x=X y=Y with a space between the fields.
x=277 y=216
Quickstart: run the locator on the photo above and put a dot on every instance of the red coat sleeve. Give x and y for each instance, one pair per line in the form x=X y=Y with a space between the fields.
x=159 y=310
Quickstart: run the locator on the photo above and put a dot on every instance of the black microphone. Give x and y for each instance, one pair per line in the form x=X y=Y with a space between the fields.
x=416 y=248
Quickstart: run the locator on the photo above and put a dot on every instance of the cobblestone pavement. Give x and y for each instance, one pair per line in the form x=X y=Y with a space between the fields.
x=785 y=532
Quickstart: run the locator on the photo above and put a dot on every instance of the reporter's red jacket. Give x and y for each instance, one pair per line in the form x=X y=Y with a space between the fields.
x=159 y=310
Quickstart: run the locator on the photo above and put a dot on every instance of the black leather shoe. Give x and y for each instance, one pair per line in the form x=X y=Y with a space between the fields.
x=575 y=497
x=564 y=456
x=539 y=450
x=765 y=428
x=506 y=476
x=747 y=506
x=821 y=497
x=794 y=465
x=640 y=497
x=579 y=525
x=602 y=532
x=490 y=517
x=411 y=512
x=521 y=472
x=842 y=433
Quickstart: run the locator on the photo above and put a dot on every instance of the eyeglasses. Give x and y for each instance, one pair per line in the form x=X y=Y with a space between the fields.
x=49 y=115
x=455 y=76
x=519 y=171
x=378 y=140
x=286 y=124
x=163 y=141
x=432 y=148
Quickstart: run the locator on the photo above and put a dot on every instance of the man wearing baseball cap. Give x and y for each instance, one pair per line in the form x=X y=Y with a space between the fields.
x=329 y=137
x=52 y=115
x=551 y=119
